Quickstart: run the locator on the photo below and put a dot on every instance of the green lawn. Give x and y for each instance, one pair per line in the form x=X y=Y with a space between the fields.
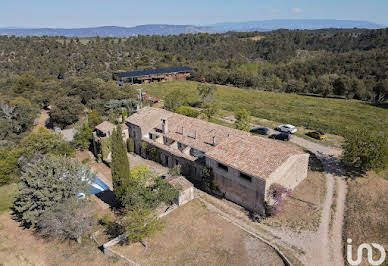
x=331 y=115
x=7 y=193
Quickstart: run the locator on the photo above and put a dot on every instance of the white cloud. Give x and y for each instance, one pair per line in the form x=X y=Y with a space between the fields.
x=297 y=10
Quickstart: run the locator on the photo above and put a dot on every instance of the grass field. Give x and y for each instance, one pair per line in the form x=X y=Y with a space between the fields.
x=335 y=116
x=366 y=217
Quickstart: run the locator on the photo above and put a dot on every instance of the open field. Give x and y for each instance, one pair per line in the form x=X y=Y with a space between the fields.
x=366 y=215
x=193 y=235
x=302 y=211
x=332 y=115
x=20 y=246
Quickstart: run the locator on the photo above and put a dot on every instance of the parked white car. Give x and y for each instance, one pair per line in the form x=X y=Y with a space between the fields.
x=287 y=128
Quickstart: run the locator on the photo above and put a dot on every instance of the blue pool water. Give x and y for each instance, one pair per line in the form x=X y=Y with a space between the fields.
x=98 y=186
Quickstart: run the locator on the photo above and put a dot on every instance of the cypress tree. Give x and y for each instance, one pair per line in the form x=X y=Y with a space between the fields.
x=120 y=164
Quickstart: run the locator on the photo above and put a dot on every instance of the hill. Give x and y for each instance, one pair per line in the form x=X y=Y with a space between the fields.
x=293 y=24
x=107 y=31
x=164 y=29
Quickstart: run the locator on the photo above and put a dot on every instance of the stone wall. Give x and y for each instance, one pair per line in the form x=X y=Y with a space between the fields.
x=249 y=194
x=291 y=173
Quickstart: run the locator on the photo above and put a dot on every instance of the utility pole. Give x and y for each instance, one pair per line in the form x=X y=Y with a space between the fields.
x=140 y=97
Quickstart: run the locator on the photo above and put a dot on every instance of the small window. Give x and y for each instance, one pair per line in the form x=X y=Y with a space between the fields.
x=150 y=135
x=246 y=177
x=223 y=167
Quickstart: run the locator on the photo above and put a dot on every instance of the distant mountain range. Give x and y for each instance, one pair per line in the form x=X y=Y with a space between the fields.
x=162 y=29
x=293 y=24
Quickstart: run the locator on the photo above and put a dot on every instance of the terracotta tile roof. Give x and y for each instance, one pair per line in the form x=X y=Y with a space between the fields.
x=124 y=127
x=105 y=126
x=180 y=180
x=147 y=118
x=203 y=130
x=253 y=155
x=170 y=149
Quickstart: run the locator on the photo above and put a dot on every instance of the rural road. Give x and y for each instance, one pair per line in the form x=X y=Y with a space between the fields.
x=325 y=246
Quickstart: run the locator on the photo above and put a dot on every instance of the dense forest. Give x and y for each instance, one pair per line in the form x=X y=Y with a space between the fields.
x=73 y=74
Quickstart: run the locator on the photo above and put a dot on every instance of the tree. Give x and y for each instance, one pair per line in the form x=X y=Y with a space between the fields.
x=70 y=219
x=83 y=137
x=45 y=183
x=175 y=98
x=9 y=165
x=140 y=224
x=366 y=149
x=323 y=85
x=380 y=91
x=341 y=85
x=243 y=120
x=120 y=164
x=94 y=119
x=25 y=82
x=187 y=111
x=130 y=145
x=44 y=141
x=206 y=92
x=66 y=111
x=210 y=110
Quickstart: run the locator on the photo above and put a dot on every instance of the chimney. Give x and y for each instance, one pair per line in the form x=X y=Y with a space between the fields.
x=195 y=134
x=214 y=140
x=164 y=126
x=183 y=131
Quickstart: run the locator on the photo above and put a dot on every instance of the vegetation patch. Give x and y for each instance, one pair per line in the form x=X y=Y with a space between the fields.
x=7 y=196
x=366 y=216
x=332 y=115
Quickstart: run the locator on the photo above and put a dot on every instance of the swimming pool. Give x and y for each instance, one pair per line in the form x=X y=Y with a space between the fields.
x=98 y=186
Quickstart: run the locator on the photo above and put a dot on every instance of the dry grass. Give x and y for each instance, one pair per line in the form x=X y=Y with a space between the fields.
x=19 y=246
x=298 y=215
x=193 y=235
x=366 y=214
x=7 y=193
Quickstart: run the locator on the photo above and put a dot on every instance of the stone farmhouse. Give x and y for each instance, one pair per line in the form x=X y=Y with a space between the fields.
x=244 y=166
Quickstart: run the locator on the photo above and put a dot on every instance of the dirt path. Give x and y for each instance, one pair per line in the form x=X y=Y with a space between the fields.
x=41 y=120
x=323 y=247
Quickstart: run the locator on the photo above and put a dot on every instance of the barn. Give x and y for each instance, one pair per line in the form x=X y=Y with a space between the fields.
x=153 y=75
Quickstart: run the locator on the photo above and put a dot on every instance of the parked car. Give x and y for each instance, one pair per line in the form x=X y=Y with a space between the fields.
x=317 y=134
x=149 y=98
x=281 y=136
x=287 y=128
x=260 y=130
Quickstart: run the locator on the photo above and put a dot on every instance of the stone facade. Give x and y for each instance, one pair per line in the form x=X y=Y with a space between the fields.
x=244 y=166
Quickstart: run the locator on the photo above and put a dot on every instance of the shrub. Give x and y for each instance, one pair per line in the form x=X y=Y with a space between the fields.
x=69 y=219
x=277 y=193
x=130 y=145
x=366 y=149
x=243 y=120
x=188 y=111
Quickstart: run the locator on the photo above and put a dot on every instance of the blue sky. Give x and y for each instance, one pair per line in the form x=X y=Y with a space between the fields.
x=87 y=13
